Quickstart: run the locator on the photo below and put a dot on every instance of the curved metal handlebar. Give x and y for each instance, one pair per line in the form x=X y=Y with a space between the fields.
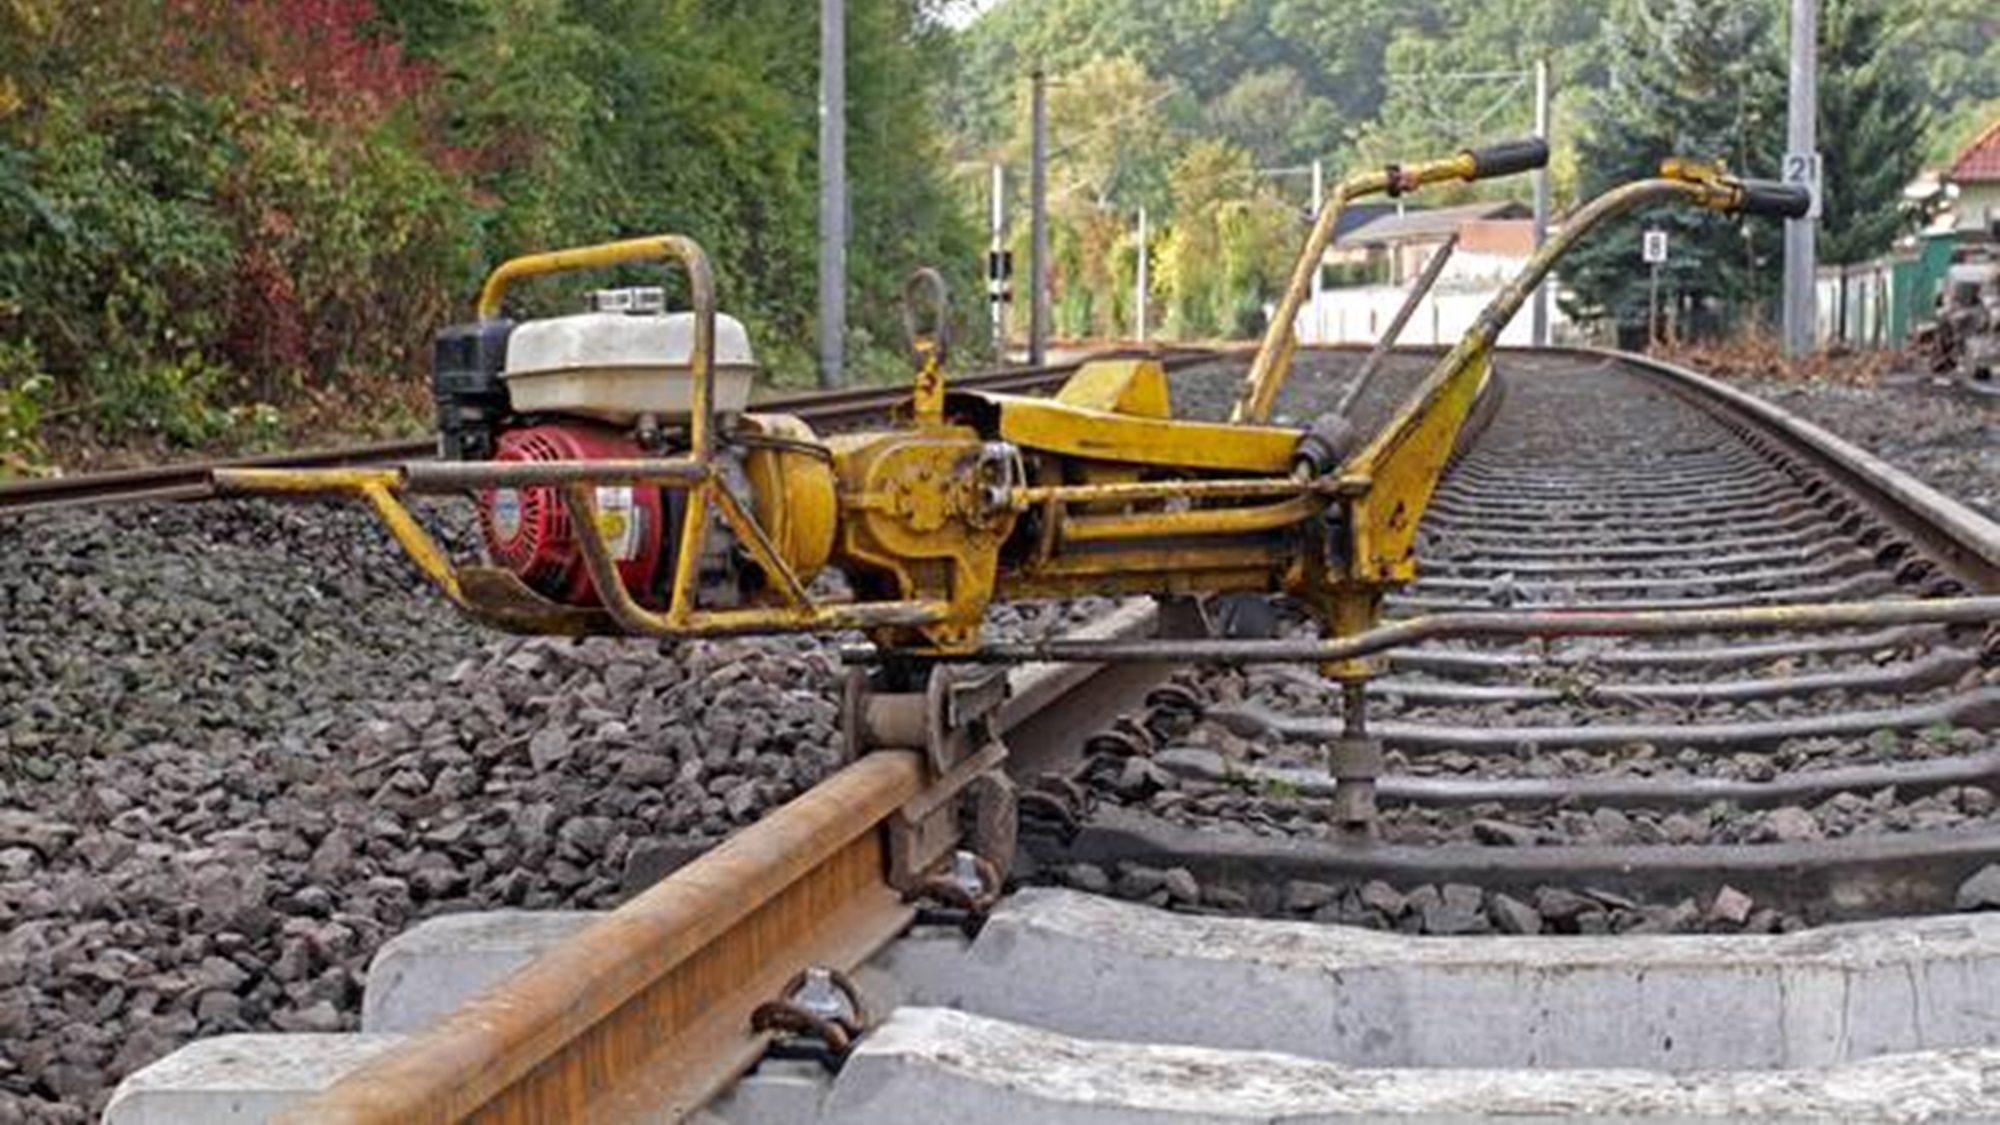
x=1273 y=361
x=664 y=247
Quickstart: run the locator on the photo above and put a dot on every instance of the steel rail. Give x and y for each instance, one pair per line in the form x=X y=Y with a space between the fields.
x=190 y=481
x=1959 y=536
x=647 y=1012
x=193 y=480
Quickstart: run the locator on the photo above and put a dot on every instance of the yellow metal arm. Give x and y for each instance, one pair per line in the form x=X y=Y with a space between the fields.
x=1393 y=477
x=1274 y=356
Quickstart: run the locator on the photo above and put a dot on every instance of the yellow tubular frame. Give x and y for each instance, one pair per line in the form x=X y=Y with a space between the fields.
x=661 y=247
x=693 y=473
x=1259 y=524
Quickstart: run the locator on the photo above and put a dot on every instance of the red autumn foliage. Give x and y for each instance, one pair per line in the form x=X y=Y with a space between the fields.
x=328 y=65
x=323 y=56
x=267 y=329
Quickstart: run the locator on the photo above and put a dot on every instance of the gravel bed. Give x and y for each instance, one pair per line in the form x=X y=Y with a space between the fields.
x=1442 y=910
x=1319 y=377
x=1949 y=439
x=243 y=744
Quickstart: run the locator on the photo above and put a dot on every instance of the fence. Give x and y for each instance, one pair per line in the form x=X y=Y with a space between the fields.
x=1878 y=304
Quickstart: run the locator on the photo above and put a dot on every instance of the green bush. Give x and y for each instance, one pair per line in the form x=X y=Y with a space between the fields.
x=357 y=247
x=123 y=257
x=213 y=208
x=24 y=396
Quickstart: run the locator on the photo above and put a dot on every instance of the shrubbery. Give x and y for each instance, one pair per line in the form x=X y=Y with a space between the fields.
x=207 y=205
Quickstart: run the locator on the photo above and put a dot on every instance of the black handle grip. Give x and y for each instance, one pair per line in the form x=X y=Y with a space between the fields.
x=1774 y=200
x=1508 y=158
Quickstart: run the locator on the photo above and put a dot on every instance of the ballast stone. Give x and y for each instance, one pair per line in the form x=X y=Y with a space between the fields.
x=1982 y=891
x=239 y=1079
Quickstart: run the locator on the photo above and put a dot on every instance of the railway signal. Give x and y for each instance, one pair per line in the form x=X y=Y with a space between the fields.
x=1653 y=249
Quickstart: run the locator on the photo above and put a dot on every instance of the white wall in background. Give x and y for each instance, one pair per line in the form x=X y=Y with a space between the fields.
x=1359 y=315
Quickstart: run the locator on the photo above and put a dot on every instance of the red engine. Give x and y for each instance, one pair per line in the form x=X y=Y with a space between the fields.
x=528 y=530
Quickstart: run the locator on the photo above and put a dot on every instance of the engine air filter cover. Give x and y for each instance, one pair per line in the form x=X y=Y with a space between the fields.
x=615 y=366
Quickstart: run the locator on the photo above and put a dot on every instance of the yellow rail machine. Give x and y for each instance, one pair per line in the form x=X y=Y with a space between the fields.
x=624 y=487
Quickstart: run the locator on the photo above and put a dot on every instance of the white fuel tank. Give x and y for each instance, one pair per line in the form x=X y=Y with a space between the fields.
x=616 y=365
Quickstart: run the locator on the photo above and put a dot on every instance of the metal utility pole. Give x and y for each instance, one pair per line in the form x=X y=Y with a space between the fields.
x=1038 y=241
x=1801 y=163
x=1653 y=312
x=1319 y=201
x=832 y=190
x=1139 y=294
x=1541 y=302
x=997 y=278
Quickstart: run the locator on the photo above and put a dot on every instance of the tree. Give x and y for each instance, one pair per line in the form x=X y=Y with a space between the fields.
x=1872 y=110
x=212 y=202
x=1694 y=78
x=1229 y=248
x=1955 y=46
x=1112 y=131
x=1276 y=116
x=1110 y=125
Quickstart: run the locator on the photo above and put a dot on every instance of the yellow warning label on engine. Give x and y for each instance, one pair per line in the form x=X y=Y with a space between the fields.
x=621 y=521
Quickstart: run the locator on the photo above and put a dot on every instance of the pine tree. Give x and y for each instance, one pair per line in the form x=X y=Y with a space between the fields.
x=1694 y=78
x=1872 y=121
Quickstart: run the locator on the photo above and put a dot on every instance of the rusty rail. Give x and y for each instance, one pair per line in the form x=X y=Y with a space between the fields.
x=647 y=1013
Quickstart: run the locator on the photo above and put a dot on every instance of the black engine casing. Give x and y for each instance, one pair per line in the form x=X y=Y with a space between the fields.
x=466 y=385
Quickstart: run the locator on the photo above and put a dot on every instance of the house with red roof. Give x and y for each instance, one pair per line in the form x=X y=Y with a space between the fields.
x=1975 y=179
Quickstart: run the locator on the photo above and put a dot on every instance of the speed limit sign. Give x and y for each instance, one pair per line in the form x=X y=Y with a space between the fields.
x=1654 y=247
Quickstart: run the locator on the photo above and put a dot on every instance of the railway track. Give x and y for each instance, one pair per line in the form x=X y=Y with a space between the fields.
x=1735 y=784
x=192 y=480
x=1826 y=774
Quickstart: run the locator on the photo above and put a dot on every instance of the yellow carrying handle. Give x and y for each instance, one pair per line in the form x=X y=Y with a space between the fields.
x=662 y=247
x=1274 y=356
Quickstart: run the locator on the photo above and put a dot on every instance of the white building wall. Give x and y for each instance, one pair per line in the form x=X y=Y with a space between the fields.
x=1359 y=315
